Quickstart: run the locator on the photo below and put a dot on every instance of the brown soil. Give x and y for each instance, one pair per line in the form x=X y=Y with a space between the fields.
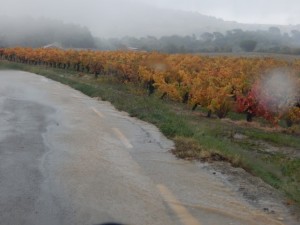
x=256 y=192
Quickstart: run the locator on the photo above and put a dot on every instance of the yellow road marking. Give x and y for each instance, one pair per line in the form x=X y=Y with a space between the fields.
x=185 y=217
x=122 y=137
x=98 y=113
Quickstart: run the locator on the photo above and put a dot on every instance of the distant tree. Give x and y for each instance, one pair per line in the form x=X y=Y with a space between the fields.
x=237 y=31
x=207 y=37
x=218 y=35
x=295 y=35
x=275 y=31
x=248 y=45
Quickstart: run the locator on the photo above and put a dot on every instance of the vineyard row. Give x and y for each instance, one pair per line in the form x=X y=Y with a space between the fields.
x=218 y=84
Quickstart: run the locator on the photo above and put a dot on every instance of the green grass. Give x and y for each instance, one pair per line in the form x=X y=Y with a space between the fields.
x=196 y=137
x=280 y=139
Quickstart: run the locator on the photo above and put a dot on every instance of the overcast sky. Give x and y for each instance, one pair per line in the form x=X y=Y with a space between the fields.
x=246 y=11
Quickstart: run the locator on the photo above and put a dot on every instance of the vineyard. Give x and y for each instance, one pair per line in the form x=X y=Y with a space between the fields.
x=257 y=87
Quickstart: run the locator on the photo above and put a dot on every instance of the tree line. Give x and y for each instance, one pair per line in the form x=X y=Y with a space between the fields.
x=237 y=40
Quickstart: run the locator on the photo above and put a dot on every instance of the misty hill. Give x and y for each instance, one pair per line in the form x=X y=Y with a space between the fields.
x=126 y=24
x=118 y=18
x=237 y=40
x=31 y=32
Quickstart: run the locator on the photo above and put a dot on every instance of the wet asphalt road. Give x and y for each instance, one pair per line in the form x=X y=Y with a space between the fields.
x=68 y=159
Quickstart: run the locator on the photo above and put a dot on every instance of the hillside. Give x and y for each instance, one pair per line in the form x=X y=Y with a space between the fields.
x=140 y=20
x=27 y=31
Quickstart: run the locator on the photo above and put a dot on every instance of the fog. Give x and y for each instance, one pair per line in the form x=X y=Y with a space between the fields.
x=171 y=26
x=255 y=11
x=30 y=32
x=115 y=18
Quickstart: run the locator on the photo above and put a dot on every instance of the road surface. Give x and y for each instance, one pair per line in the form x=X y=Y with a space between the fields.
x=68 y=159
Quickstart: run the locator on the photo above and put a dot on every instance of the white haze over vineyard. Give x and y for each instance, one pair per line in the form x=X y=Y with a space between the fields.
x=281 y=86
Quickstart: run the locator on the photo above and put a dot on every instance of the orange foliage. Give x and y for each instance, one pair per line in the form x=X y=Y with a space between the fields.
x=211 y=82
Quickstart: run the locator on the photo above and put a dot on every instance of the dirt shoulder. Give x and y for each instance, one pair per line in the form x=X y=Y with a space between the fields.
x=256 y=192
